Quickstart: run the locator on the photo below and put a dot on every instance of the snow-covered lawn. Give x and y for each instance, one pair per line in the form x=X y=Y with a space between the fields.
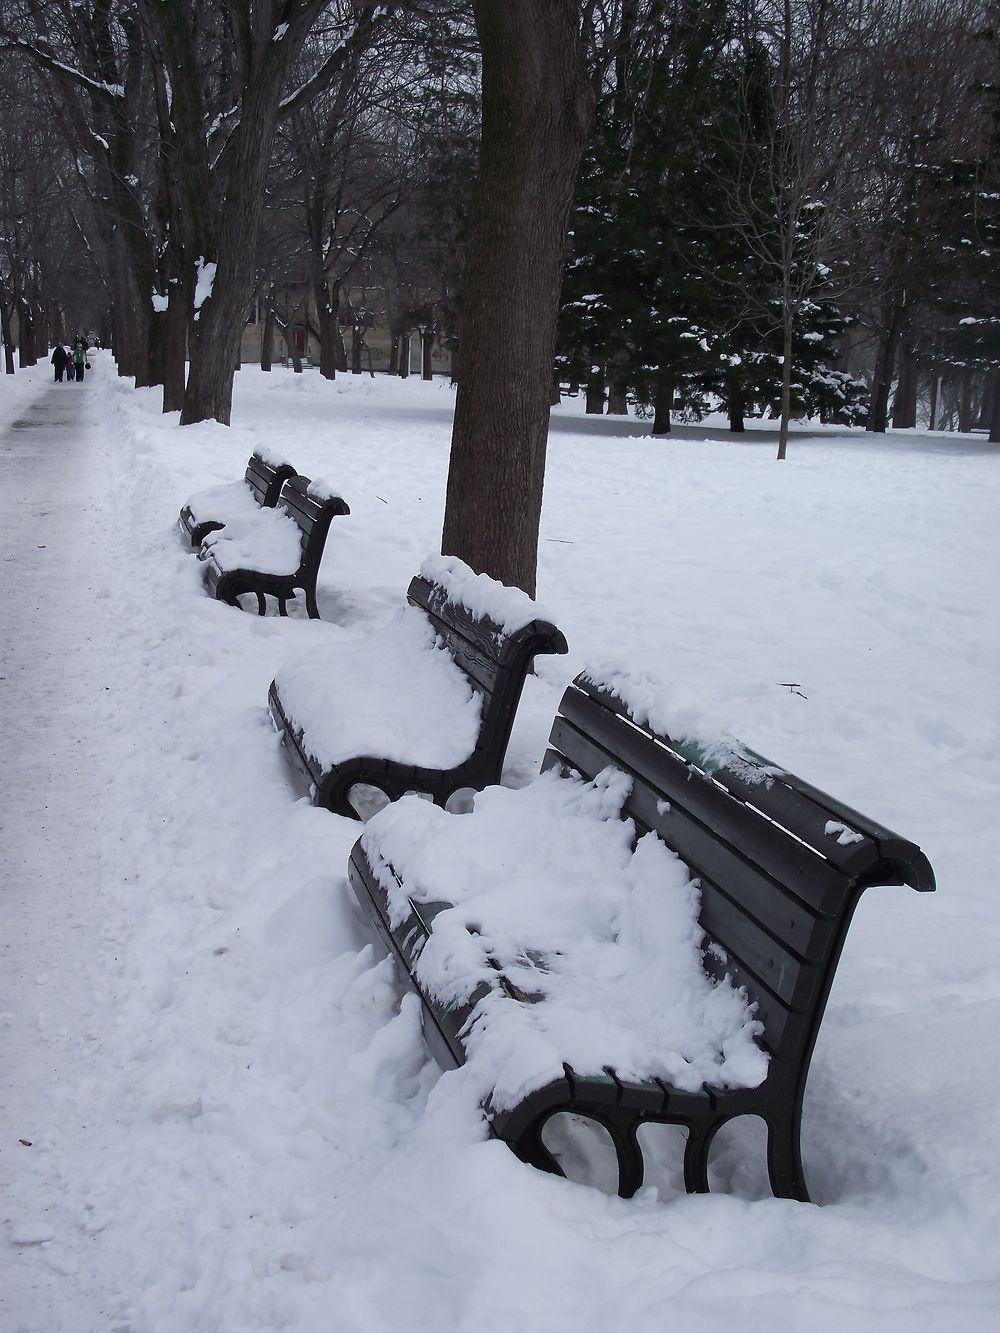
x=233 y=1124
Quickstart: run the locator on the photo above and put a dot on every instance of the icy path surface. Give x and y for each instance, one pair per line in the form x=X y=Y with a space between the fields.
x=54 y=660
x=233 y=1124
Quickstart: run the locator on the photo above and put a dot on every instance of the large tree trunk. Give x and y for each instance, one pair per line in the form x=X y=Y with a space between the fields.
x=885 y=364
x=535 y=113
x=267 y=337
x=426 y=352
x=6 y=330
x=663 y=401
x=326 y=316
x=734 y=402
x=995 y=416
x=904 y=402
x=175 y=340
x=595 y=392
x=966 y=412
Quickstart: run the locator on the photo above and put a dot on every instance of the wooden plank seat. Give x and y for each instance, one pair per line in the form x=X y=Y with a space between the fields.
x=779 y=867
x=278 y=552
x=425 y=705
x=235 y=502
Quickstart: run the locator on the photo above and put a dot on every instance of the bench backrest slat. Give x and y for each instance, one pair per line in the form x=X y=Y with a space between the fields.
x=266 y=479
x=494 y=661
x=774 y=909
x=593 y=734
x=313 y=516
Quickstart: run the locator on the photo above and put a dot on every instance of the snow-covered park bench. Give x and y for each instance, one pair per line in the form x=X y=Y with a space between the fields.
x=231 y=503
x=425 y=704
x=275 y=550
x=576 y=963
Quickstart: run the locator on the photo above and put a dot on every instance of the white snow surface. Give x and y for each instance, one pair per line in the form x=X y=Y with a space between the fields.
x=393 y=693
x=218 y=1113
x=545 y=886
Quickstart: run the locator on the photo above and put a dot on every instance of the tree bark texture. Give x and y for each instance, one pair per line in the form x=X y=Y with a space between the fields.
x=267 y=339
x=536 y=108
x=786 y=384
x=878 y=413
x=904 y=402
x=426 y=351
x=995 y=415
x=662 y=403
x=595 y=394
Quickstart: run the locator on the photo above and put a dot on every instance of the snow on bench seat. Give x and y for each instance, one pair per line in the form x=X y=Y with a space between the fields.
x=425 y=705
x=359 y=697
x=267 y=541
x=544 y=887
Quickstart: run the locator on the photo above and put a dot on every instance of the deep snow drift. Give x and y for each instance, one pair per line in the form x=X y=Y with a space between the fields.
x=219 y=1116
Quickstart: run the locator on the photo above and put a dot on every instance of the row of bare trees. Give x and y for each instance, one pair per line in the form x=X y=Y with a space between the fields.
x=213 y=152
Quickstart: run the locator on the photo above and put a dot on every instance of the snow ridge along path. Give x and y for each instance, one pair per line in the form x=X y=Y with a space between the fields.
x=233 y=1123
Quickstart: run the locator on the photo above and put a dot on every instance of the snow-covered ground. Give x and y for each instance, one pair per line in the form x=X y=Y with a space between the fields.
x=218 y=1115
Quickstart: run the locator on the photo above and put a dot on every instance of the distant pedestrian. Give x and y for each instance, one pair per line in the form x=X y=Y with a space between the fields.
x=59 y=358
x=79 y=360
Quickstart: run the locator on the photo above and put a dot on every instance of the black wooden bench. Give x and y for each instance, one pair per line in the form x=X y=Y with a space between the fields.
x=780 y=866
x=231 y=567
x=493 y=661
x=212 y=509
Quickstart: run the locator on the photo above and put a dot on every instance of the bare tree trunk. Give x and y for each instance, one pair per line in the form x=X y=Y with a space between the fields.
x=326 y=316
x=734 y=402
x=426 y=349
x=536 y=108
x=404 y=356
x=904 y=403
x=595 y=392
x=6 y=327
x=394 y=354
x=935 y=394
x=26 y=337
x=995 y=417
x=786 y=390
x=965 y=411
x=175 y=336
x=885 y=365
x=267 y=337
x=355 y=349
x=617 y=399
x=662 y=403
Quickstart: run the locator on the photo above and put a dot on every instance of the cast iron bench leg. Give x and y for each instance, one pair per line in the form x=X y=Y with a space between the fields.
x=261 y=604
x=784 y=1159
x=311 y=606
x=699 y=1141
x=630 y=1163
